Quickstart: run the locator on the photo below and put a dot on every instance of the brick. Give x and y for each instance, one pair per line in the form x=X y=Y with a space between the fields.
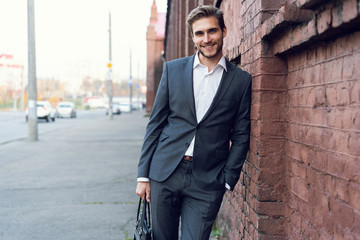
x=311 y=75
x=320 y=96
x=337 y=12
x=311 y=98
x=331 y=95
x=341 y=190
x=293 y=98
x=354 y=196
x=349 y=67
x=334 y=118
x=270 y=193
x=342 y=141
x=319 y=161
x=303 y=33
x=298 y=169
x=316 y=179
x=355 y=92
x=299 y=187
x=272 y=82
x=328 y=224
x=350 y=10
x=331 y=71
x=356 y=226
x=325 y=235
x=349 y=118
x=295 y=219
x=354 y=143
x=356 y=120
x=294 y=233
x=324 y=20
x=308 y=231
x=329 y=185
x=342 y=94
x=270 y=208
x=271 y=226
x=293 y=203
x=293 y=151
x=336 y=166
x=343 y=214
x=319 y=203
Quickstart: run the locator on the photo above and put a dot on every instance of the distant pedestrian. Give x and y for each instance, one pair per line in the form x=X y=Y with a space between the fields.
x=202 y=104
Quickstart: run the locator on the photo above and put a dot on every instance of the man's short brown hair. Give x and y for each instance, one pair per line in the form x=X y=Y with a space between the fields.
x=205 y=11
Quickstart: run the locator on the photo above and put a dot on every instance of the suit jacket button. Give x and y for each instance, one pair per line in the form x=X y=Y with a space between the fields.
x=187 y=144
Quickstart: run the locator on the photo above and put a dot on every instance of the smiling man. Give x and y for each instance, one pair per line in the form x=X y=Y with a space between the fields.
x=187 y=161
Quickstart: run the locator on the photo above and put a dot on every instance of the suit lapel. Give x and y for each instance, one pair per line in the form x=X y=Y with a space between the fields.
x=223 y=86
x=189 y=87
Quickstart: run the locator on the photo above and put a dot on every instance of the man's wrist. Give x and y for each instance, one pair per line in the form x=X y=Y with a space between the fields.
x=143 y=179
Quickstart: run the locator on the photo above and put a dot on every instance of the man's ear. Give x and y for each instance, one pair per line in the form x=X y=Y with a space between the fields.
x=192 y=37
x=224 y=32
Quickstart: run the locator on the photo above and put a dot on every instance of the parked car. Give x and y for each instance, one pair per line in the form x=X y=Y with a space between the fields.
x=115 y=109
x=44 y=110
x=94 y=102
x=125 y=107
x=66 y=109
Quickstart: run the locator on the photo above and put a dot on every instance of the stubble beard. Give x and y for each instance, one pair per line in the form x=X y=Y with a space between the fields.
x=212 y=55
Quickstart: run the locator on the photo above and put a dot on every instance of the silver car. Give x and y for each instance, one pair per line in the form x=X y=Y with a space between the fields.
x=66 y=109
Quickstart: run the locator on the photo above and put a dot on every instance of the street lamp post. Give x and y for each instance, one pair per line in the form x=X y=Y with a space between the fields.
x=130 y=83
x=109 y=77
x=32 y=91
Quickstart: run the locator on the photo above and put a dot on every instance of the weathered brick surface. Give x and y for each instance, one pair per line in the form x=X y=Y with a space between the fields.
x=323 y=125
x=301 y=178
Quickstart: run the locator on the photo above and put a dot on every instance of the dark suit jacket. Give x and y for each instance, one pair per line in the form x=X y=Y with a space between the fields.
x=173 y=124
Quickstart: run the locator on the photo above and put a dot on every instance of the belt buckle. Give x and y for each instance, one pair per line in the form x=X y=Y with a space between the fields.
x=188 y=158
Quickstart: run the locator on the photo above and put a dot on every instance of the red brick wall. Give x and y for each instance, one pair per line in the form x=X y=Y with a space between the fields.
x=256 y=209
x=323 y=140
x=301 y=178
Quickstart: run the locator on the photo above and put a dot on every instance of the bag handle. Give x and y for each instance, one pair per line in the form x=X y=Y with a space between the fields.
x=144 y=215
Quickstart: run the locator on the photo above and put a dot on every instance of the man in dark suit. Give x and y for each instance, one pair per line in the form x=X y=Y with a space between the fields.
x=187 y=160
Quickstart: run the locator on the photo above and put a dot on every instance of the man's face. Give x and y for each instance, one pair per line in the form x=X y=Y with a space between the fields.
x=208 y=37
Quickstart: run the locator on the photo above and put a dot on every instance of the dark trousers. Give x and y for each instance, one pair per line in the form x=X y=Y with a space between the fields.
x=179 y=197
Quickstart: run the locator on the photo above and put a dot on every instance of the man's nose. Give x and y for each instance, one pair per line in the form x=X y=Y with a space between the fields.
x=207 y=38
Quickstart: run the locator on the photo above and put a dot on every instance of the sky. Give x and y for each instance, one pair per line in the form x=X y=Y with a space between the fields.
x=71 y=36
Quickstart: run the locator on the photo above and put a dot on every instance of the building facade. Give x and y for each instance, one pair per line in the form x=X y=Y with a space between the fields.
x=12 y=81
x=301 y=179
x=155 y=48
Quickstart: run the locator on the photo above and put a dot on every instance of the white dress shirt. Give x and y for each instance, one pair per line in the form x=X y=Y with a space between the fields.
x=205 y=85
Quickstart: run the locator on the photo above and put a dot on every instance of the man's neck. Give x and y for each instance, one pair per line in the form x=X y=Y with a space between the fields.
x=210 y=62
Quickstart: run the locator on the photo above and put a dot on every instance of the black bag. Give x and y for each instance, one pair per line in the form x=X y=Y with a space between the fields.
x=143 y=225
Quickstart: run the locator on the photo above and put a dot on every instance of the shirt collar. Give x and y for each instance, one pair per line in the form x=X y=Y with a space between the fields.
x=221 y=62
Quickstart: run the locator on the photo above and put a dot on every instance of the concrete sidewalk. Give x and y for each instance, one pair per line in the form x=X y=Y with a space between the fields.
x=76 y=183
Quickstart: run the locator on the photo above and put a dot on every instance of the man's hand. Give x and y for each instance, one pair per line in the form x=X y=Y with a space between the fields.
x=142 y=188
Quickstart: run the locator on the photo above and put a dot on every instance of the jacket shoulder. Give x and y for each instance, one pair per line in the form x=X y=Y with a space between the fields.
x=180 y=61
x=239 y=71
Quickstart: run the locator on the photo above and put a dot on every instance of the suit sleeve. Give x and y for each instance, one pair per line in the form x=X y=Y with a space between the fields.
x=240 y=138
x=158 y=120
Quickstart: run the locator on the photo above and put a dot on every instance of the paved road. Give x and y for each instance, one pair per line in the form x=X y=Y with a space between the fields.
x=77 y=182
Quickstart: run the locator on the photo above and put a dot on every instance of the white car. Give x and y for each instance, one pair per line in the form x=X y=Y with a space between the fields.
x=116 y=109
x=66 y=109
x=125 y=107
x=44 y=110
